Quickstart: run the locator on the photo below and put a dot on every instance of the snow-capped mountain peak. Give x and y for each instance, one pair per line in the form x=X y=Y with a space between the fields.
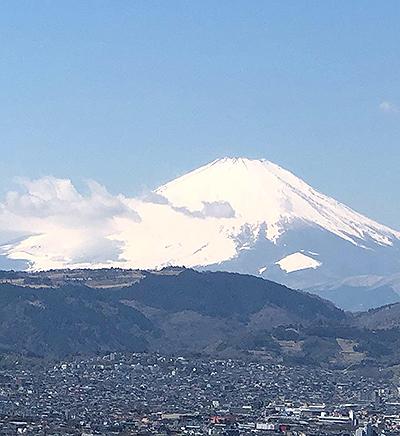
x=235 y=214
x=260 y=191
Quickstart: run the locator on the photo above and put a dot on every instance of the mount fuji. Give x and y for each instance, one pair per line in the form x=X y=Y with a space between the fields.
x=241 y=215
x=275 y=225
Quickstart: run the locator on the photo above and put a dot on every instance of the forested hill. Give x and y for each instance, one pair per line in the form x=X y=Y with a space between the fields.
x=178 y=310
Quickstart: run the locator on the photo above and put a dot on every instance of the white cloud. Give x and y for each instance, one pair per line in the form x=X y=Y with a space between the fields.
x=48 y=224
x=387 y=107
x=149 y=196
x=218 y=209
x=57 y=198
x=61 y=227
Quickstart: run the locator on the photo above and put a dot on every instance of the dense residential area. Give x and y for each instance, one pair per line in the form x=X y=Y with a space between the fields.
x=146 y=394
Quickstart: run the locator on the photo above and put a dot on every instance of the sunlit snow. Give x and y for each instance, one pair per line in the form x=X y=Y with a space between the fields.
x=296 y=262
x=205 y=217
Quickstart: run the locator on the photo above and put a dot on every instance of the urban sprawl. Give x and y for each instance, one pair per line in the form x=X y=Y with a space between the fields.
x=148 y=394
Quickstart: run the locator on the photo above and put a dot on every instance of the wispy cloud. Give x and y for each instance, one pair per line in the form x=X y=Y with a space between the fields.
x=387 y=107
x=48 y=224
x=216 y=209
x=61 y=226
x=52 y=197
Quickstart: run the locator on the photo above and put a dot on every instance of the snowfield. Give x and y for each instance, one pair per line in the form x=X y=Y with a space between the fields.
x=235 y=214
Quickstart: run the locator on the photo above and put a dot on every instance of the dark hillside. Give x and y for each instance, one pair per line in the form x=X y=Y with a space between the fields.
x=220 y=294
x=68 y=320
x=384 y=317
x=184 y=311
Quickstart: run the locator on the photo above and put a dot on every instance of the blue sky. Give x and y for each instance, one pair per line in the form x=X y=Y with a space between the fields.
x=134 y=93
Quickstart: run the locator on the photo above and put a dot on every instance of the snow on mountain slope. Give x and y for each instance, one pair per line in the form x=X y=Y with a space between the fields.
x=243 y=215
x=296 y=262
x=262 y=192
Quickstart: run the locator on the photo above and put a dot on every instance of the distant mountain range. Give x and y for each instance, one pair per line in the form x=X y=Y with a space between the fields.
x=184 y=311
x=247 y=216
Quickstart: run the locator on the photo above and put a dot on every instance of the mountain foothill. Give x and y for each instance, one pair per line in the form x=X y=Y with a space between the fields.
x=234 y=214
x=183 y=311
x=237 y=258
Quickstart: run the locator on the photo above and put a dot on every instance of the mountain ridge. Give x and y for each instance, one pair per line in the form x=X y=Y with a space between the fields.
x=238 y=215
x=182 y=311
